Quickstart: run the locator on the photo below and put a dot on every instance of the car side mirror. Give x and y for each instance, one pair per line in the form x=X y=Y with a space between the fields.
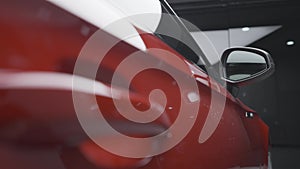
x=244 y=65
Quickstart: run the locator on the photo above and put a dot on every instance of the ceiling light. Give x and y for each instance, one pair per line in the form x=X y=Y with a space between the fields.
x=290 y=43
x=245 y=29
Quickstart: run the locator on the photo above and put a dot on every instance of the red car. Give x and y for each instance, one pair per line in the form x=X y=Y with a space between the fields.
x=122 y=84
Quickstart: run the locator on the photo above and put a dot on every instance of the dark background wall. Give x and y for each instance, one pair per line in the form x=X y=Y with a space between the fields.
x=277 y=99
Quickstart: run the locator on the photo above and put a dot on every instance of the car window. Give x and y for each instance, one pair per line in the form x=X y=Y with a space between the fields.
x=177 y=27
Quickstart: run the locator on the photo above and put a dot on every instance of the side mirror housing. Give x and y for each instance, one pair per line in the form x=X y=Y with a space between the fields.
x=244 y=65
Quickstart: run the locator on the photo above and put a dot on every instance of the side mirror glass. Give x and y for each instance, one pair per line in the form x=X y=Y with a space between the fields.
x=242 y=65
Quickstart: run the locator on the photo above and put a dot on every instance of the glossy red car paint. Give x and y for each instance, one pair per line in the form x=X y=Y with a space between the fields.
x=39 y=127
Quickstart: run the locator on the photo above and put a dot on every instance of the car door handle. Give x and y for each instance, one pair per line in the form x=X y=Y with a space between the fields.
x=249 y=115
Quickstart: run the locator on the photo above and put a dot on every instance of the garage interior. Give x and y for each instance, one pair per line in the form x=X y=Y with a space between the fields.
x=276 y=99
